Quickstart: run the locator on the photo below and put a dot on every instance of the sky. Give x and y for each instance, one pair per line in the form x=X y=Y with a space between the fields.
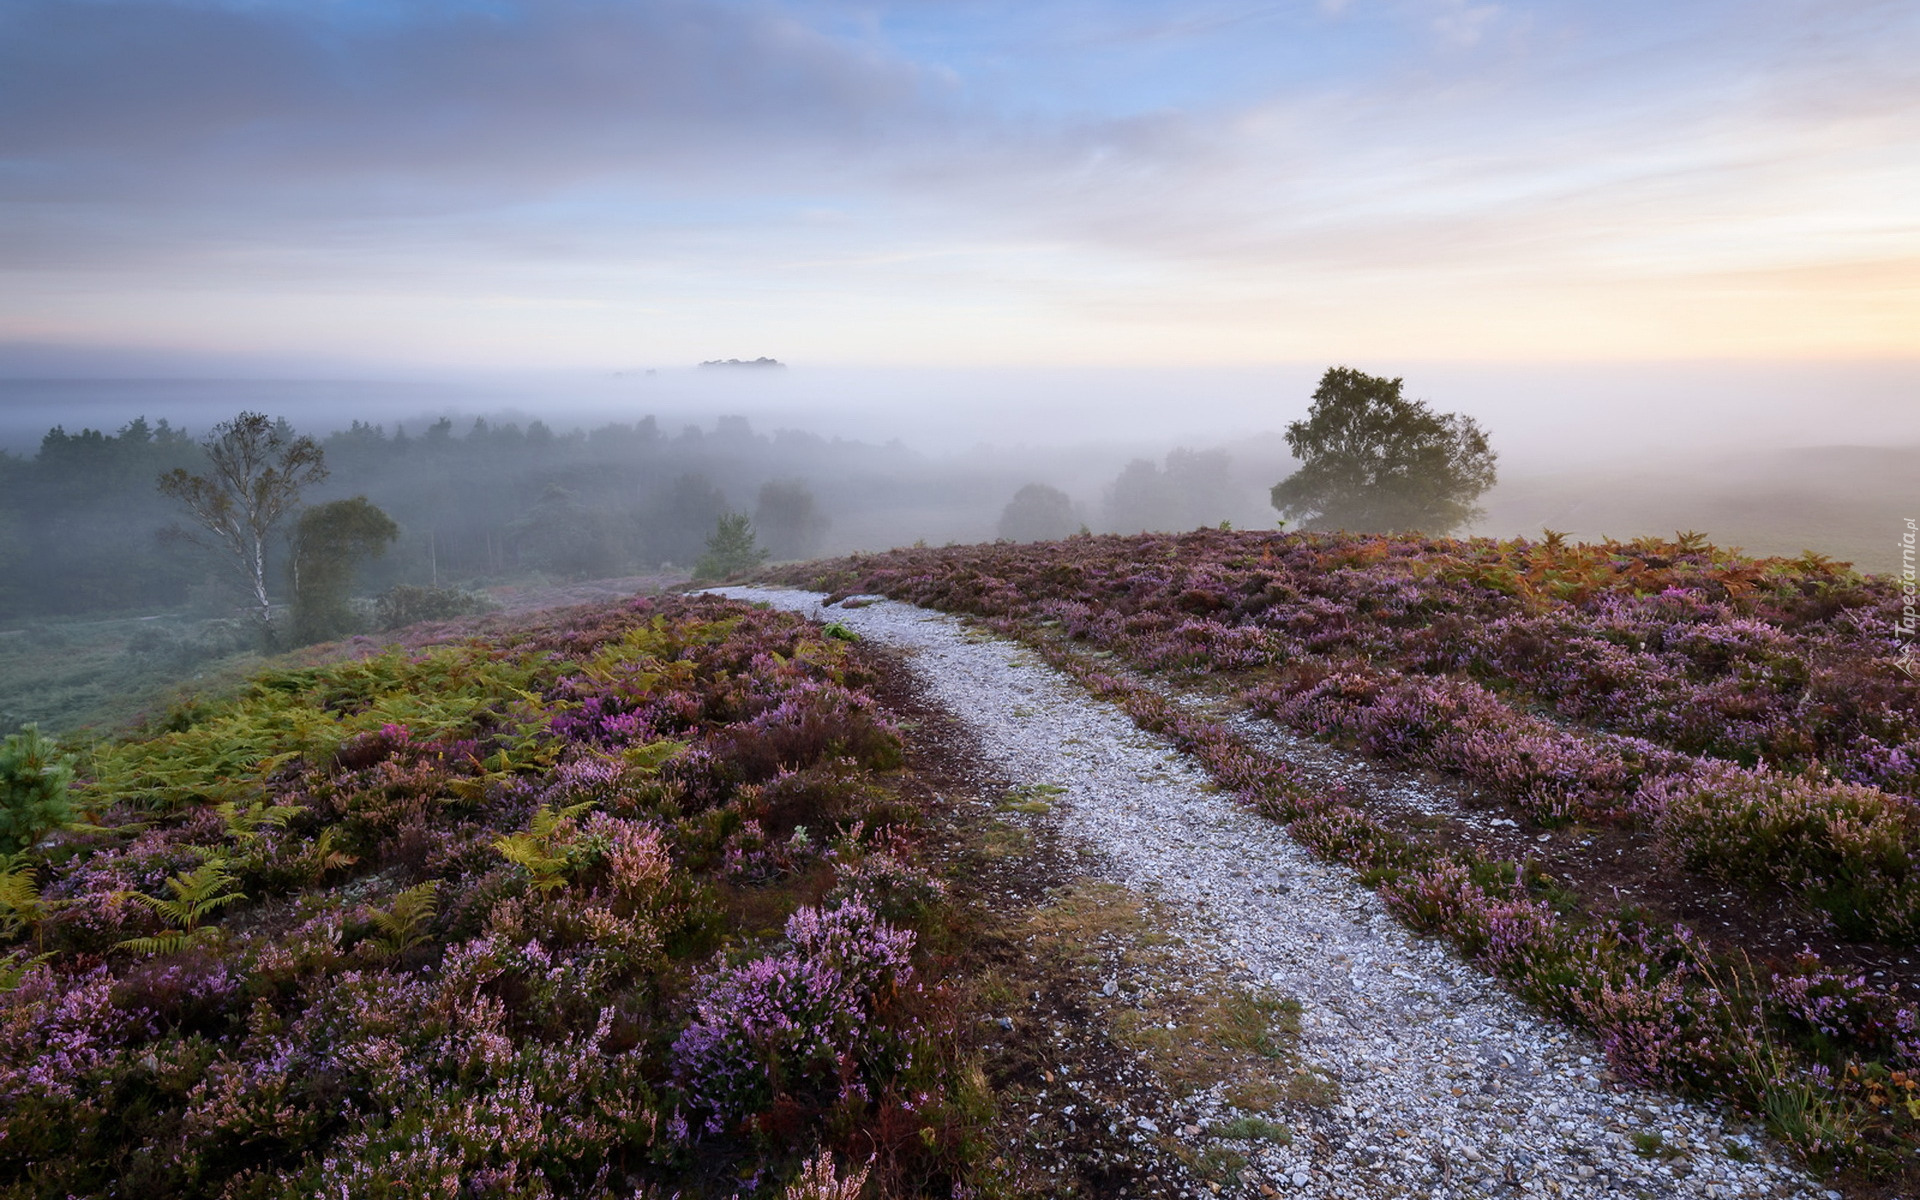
x=525 y=185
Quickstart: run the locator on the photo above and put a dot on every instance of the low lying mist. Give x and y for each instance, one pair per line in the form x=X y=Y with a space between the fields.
x=566 y=476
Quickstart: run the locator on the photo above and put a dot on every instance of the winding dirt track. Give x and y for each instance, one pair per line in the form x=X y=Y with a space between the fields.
x=1449 y=1087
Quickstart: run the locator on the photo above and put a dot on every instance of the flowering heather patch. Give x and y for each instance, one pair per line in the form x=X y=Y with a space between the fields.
x=1691 y=647
x=1825 y=1058
x=1566 y=678
x=1458 y=725
x=802 y=1024
x=1849 y=850
x=1747 y=713
x=1845 y=1009
x=453 y=920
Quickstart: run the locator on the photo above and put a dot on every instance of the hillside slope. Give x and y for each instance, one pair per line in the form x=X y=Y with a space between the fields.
x=617 y=900
x=1682 y=781
x=1415 y=1074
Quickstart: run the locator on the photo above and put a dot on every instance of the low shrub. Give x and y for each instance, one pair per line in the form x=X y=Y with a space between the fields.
x=407 y=604
x=800 y=1029
x=447 y=920
x=1552 y=773
x=1849 y=850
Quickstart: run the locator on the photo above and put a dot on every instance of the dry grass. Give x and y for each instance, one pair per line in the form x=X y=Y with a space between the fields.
x=1032 y=799
x=1000 y=840
x=1196 y=1027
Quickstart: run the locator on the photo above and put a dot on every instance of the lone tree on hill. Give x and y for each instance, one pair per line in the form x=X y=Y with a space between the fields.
x=258 y=468
x=1373 y=461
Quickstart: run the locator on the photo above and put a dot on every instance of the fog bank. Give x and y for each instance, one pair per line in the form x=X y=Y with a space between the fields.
x=1772 y=457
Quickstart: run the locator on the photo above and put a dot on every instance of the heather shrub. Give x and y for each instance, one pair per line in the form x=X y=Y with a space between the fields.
x=1668 y=1028
x=1659 y=1018
x=800 y=1027
x=819 y=1181
x=826 y=792
x=1345 y=834
x=1845 y=1012
x=1848 y=850
x=58 y=1034
x=1692 y=648
x=1458 y=726
x=1443 y=898
x=1664 y=1010
x=884 y=877
x=1205 y=646
x=433 y=921
x=813 y=722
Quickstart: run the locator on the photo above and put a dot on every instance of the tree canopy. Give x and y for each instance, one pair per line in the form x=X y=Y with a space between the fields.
x=789 y=519
x=731 y=550
x=1038 y=513
x=330 y=541
x=1195 y=488
x=564 y=536
x=1372 y=460
x=257 y=468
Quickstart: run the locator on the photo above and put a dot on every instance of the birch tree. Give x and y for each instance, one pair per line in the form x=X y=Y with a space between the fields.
x=256 y=468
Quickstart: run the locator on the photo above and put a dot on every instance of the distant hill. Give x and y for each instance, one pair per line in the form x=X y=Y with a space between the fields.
x=754 y=363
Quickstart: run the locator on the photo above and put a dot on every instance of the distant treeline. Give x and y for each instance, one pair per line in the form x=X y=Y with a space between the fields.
x=82 y=527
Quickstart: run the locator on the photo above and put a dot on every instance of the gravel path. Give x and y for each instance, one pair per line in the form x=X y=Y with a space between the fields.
x=1449 y=1086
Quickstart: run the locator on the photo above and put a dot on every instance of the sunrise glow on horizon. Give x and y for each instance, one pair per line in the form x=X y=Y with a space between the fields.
x=537 y=183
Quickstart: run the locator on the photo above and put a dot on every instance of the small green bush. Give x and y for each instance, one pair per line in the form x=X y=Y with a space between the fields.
x=34 y=777
x=731 y=550
x=406 y=604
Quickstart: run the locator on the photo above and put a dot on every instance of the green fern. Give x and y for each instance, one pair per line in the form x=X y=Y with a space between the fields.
x=196 y=895
x=21 y=905
x=14 y=968
x=404 y=925
x=305 y=714
x=245 y=821
x=323 y=858
x=534 y=848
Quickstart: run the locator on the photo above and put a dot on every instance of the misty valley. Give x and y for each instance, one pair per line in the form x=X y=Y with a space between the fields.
x=806 y=600
x=102 y=591
x=493 y=810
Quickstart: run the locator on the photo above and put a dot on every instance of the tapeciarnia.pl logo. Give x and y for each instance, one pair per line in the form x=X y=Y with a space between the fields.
x=1909 y=624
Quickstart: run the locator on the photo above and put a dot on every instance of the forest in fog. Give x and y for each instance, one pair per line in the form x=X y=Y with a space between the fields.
x=83 y=529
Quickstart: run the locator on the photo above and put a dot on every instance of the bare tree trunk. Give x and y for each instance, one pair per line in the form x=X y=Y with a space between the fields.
x=259 y=565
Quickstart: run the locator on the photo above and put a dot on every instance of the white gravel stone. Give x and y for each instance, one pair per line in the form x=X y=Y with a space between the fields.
x=1399 y=1021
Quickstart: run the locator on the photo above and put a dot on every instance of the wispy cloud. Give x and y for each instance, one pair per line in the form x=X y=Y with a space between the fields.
x=507 y=99
x=963 y=176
